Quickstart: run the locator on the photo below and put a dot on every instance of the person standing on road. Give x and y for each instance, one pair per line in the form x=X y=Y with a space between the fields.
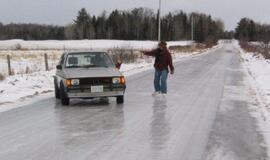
x=163 y=61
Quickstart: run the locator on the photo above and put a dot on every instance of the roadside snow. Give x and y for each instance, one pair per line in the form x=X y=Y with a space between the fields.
x=26 y=85
x=258 y=69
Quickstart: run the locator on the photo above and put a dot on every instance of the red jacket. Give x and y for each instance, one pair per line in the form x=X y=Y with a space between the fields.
x=163 y=59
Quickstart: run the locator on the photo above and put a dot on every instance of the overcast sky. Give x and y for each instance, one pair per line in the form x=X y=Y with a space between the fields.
x=61 y=12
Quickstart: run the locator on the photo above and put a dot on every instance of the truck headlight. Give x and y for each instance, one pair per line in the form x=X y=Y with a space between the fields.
x=119 y=80
x=116 y=80
x=75 y=82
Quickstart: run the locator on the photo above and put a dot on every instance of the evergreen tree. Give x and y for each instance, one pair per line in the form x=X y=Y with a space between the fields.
x=84 y=27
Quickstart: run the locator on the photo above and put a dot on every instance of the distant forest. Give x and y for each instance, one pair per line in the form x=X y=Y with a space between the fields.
x=248 y=30
x=137 y=24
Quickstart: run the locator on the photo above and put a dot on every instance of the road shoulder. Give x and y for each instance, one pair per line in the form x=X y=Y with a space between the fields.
x=236 y=133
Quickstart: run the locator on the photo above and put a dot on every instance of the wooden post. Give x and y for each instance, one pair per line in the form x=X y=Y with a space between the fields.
x=46 y=61
x=9 y=65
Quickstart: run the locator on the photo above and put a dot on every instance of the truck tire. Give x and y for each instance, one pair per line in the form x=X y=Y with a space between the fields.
x=63 y=96
x=120 y=99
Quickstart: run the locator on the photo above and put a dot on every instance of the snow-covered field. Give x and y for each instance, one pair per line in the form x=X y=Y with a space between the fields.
x=28 y=56
x=24 y=86
x=83 y=44
x=258 y=69
x=28 y=61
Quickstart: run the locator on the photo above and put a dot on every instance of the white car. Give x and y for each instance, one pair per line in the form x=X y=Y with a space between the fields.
x=88 y=75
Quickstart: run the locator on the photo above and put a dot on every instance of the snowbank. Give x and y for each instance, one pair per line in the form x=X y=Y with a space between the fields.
x=259 y=70
x=19 y=87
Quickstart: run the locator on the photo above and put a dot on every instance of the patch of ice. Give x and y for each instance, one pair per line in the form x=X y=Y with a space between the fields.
x=219 y=153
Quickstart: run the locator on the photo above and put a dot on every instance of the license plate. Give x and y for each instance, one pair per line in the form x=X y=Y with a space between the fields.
x=95 y=89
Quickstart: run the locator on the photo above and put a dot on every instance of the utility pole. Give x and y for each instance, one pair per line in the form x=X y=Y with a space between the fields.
x=159 y=22
x=192 y=27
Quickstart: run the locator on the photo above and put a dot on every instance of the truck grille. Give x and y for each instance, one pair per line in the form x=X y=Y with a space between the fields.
x=95 y=81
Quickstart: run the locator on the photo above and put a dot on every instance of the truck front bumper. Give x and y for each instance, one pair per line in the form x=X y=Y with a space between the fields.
x=93 y=95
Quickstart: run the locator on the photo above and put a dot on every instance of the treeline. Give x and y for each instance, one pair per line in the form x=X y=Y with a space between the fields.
x=177 y=26
x=248 y=30
x=135 y=24
x=31 y=32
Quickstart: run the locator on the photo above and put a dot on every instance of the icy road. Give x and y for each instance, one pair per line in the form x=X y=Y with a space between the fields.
x=204 y=116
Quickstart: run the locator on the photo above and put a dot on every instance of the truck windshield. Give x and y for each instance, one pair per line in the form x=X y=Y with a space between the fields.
x=88 y=59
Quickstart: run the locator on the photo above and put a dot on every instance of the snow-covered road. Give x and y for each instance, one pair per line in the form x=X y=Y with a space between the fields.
x=204 y=116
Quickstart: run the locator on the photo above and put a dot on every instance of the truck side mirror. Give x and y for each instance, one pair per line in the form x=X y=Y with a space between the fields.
x=59 y=67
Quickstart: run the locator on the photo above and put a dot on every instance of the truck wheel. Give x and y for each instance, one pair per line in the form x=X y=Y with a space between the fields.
x=120 y=99
x=56 y=90
x=63 y=96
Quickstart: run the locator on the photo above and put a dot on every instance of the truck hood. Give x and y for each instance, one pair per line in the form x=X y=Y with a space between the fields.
x=91 y=72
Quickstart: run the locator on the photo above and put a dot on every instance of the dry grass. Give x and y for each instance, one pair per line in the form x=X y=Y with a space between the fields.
x=125 y=55
x=29 y=54
x=131 y=55
x=188 y=49
x=33 y=58
x=2 y=77
x=262 y=49
x=248 y=47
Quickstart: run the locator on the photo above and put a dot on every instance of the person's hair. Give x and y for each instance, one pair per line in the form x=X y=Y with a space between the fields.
x=162 y=43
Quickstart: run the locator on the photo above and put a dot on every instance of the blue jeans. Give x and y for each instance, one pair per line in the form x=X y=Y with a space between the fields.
x=160 y=81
